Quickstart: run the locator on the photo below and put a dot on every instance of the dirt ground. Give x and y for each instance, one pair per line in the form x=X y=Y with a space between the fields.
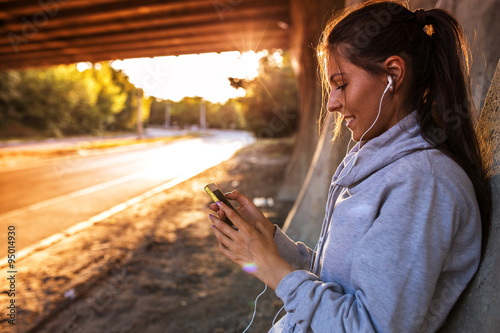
x=155 y=267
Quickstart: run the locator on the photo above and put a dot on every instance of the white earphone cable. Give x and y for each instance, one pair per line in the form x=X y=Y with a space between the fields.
x=276 y=317
x=379 y=107
x=389 y=79
x=310 y=269
x=352 y=165
x=255 y=308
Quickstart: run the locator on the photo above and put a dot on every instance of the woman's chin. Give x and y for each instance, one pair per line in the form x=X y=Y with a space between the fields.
x=355 y=137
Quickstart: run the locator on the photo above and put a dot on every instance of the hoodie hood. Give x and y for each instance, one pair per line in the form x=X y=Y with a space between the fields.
x=363 y=160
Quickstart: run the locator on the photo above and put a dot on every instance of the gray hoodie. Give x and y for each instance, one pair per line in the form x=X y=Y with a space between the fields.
x=400 y=241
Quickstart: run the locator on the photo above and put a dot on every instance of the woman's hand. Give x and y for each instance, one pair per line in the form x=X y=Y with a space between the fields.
x=251 y=244
x=246 y=209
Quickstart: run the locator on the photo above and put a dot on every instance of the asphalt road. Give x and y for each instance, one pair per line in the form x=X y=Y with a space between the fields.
x=46 y=199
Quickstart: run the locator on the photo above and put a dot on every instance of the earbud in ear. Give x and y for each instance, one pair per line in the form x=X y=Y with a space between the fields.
x=390 y=82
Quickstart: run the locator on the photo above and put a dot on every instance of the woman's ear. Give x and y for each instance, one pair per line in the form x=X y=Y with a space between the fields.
x=396 y=67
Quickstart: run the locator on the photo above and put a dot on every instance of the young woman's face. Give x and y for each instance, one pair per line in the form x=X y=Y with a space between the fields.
x=356 y=95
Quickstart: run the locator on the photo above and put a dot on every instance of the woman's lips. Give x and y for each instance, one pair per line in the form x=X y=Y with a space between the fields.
x=349 y=120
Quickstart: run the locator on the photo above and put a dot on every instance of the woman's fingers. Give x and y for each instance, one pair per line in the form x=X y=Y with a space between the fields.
x=233 y=216
x=247 y=210
x=216 y=209
x=250 y=245
x=231 y=242
x=238 y=197
x=227 y=237
x=222 y=226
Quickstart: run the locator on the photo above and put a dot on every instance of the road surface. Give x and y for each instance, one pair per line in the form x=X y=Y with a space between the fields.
x=46 y=199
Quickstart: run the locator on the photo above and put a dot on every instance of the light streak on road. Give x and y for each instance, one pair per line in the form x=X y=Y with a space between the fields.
x=57 y=198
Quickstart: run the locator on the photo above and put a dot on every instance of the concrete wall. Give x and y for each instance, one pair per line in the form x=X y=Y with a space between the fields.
x=478 y=310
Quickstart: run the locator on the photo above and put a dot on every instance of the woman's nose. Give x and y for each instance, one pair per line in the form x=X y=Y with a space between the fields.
x=334 y=103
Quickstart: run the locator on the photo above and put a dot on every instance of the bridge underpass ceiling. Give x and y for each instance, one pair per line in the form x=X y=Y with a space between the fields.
x=36 y=33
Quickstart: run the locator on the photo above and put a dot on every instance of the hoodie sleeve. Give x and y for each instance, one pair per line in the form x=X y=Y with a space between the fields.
x=296 y=254
x=407 y=270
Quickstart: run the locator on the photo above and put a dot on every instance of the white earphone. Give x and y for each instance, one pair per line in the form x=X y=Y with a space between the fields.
x=390 y=81
x=390 y=86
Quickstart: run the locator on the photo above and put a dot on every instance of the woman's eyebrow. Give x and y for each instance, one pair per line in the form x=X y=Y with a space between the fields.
x=332 y=77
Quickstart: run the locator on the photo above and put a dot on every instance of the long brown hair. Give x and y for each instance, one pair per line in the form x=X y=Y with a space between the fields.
x=433 y=45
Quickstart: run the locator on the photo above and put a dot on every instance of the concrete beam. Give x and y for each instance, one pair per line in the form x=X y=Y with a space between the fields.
x=147 y=28
x=34 y=33
x=149 y=52
x=235 y=40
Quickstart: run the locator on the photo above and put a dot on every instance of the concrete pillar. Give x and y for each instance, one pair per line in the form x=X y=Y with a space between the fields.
x=308 y=20
x=304 y=221
x=478 y=310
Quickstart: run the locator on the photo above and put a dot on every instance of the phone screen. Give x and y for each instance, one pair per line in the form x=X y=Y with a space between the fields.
x=216 y=194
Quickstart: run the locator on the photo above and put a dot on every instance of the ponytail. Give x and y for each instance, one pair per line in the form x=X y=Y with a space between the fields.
x=433 y=45
x=445 y=110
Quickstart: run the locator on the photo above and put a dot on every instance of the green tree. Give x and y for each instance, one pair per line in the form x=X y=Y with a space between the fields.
x=270 y=107
x=9 y=94
x=48 y=98
x=227 y=115
x=126 y=118
x=186 y=112
x=110 y=98
x=61 y=100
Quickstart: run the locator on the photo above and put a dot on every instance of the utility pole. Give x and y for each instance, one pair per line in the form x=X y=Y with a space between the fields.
x=139 y=114
x=203 y=119
x=167 y=114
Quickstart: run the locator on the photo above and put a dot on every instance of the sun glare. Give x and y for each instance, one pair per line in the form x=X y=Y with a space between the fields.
x=82 y=66
x=204 y=75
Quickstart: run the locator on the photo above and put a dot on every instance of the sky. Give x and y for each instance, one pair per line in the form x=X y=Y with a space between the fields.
x=204 y=75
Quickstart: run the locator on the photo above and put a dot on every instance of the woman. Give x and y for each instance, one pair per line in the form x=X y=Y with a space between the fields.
x=402 y=232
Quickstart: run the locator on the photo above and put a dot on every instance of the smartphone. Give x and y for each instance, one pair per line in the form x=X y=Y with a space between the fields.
x=216 y=194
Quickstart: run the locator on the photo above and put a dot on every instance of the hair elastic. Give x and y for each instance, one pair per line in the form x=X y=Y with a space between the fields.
x=421 y=16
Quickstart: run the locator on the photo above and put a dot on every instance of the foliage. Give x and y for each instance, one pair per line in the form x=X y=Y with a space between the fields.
x=270 y=107
x=61 y=100
x=186 y=113
x=227 y=115
x=126 y=118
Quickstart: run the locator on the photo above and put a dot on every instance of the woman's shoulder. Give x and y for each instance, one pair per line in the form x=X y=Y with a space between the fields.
x=431 y=165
